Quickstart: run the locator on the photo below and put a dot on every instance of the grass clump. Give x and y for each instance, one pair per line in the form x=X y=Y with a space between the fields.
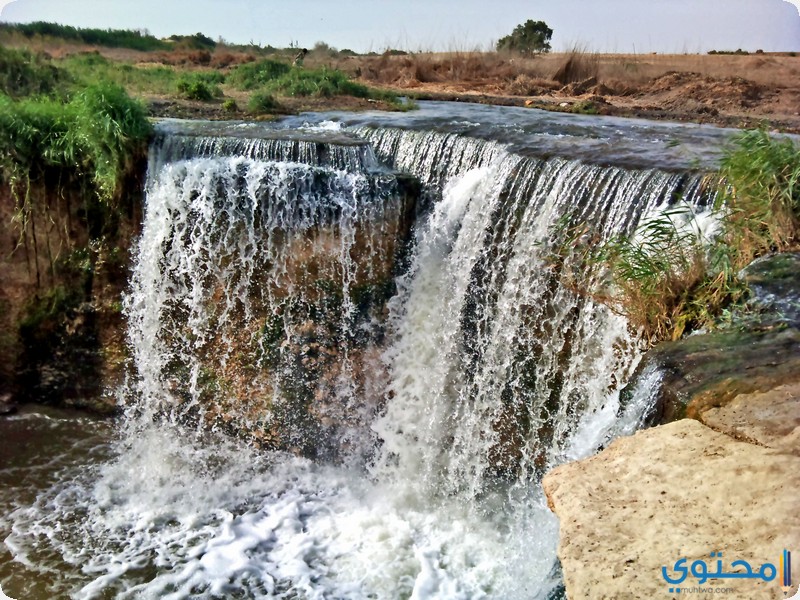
x=26 y=74
x=320 y=83
x=670 y=278
x=91 y=68
x=95 y=137
x=666 y=279
x=760 y=195
x=262 y=102
x=253 y=75
x=199 y=86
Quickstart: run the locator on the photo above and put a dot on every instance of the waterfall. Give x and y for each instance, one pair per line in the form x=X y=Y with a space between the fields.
x=354 y=355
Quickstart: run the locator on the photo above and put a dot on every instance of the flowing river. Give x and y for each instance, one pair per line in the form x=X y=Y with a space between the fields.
x=352 y=359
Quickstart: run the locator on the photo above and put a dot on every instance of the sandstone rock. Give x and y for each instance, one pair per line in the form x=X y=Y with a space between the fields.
x=677 y=491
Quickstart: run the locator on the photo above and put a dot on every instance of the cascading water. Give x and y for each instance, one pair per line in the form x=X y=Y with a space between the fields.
x=398 y=366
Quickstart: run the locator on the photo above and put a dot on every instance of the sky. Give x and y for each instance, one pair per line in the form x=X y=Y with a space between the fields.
x=640 y=26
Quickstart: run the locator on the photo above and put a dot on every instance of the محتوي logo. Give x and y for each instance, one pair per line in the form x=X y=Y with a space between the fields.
x=740 y=569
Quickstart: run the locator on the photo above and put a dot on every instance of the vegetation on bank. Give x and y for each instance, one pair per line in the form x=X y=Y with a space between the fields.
x=111 y=38
x=667 y=279
x=193 y=68
x=92 y=137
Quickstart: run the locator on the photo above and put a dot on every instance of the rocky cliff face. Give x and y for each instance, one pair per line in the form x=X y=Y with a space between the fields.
x=725 y=479
x=64 y=265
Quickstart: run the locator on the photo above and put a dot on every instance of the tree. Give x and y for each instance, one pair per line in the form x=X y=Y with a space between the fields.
x=532 y=37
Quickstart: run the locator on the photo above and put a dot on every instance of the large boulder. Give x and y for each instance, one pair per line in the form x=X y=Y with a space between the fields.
x=672 y=492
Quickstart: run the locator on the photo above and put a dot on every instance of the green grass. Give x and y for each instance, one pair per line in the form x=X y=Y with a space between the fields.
x=262 y=102
x=319 y=83
x=254 y=75
x=200 y=86
x=96 y=136
x=24 y=74
x=281 y=79
x=760 y=195
x=92 y=68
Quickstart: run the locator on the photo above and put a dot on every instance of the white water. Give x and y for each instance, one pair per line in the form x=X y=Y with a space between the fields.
x=493 y=370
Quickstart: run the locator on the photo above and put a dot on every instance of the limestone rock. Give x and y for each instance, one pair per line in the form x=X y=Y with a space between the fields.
x=770 y=418
x=677 y=491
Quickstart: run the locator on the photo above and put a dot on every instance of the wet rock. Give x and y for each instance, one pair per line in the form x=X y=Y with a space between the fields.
x=676 y=491
x=759 y=353
x=7 y=406
x=708 y=371
x=723 y=479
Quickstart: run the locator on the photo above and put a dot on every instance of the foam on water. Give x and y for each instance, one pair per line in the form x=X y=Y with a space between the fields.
x=211 y=517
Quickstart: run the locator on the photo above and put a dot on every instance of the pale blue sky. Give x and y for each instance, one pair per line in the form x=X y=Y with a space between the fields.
x=362 y=25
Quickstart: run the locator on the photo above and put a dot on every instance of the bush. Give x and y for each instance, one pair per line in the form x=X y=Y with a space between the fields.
x=199 y=86
x=229 y=105
x=198 y=41
x=253 y=75
x=25 y=74
x=262 y=102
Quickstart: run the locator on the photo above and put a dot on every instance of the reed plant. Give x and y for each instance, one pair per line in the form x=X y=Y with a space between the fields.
x=760 y=195
x=668 y=278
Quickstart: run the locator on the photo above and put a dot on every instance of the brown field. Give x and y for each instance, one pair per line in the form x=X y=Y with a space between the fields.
x=740 y=90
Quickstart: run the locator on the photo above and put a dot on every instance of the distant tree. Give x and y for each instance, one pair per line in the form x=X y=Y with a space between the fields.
x=532 y=37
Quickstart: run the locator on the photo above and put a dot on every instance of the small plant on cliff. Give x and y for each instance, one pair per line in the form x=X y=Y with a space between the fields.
x=668 y=280
x=96 y=136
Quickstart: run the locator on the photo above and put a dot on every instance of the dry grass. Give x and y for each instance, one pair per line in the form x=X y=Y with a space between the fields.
x=618 y=72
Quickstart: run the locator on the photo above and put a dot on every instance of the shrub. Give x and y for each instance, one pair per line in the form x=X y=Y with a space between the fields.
x=252 y=75
x=25 y=74
x=229 y=105
x=200 y=86
x=262 y=102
